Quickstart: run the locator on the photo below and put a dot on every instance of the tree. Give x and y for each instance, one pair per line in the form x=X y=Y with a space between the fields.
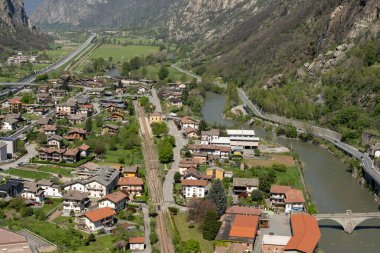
x=203 y=125
x=120 y=245
x=257 y=195
x=42 y=77
x=163 y=73
x=99 y=121
x=88 y=126
x=177 y=177
x=153 y=237
x=159 y=129
x=211 y=226
x=191 y=246
x=99 y=148
x=218 y=196
x=27 y=98
x=165 y=151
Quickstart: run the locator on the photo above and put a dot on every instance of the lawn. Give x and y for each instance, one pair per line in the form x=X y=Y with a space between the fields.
x=56 y=170
x=286 y=160
x=187 y=233
x=28 y=174
x=48 y=207
x=102 y=244
x=174 y=74
x=57 y=54
x=129 y=156
x=122 y=53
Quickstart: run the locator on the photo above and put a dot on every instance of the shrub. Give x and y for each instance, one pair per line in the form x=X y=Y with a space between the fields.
x=173 y=210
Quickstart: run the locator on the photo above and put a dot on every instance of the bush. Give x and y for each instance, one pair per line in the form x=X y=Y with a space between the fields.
x=26 y=212
x=173 y=210
x=153 y=237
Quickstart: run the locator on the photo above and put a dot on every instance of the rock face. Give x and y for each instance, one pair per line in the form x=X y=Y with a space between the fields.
x=16 y=30
x=102 y=13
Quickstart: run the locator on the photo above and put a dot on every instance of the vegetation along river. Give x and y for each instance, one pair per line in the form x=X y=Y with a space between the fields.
x=330 y=185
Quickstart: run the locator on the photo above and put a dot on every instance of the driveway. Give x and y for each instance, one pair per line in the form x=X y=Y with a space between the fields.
x=32 y=152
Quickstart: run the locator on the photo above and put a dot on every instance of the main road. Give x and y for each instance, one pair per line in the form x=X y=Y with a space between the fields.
x=366 y=161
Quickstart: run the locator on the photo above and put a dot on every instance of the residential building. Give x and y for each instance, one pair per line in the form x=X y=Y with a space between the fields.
x=76 y=119
x=240 y=229
x=274 y=243
x=155 y=117
x=215 y=173
x=13 y=242
x=286 y=197
x=375 y=150
x=88 y=169
x=186 y=164
x=134 y=186
x=221 y=141
x=245 y=185
x=50 y=189
x=188 y=122
x=218 y=151
x=11 y=145
x=117 y=116
x=193 y=174
x=305 y=234
x=75 y=201
x=191 y=133
x=101 y=184
x=9 y=124
x=71 y=155
x=3 y=152
x=96 y=220
x=76 y=134
x=136 y=243
x=176 y=102
x=68 y=108
x=250 y=211
x=48 y=129
x=115 y=201
x=209 y=136
x=243 y=139
x=51 y=154
x=33 y=192
x=110 y=129
x=15 y=105
x=131 y=171
x=55 y=141
x=84 y=150
x=200 y=158
x=11 y=189
x=193 y=188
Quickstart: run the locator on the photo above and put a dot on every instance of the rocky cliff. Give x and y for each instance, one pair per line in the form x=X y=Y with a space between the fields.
x=16 y=30
x=101 y=13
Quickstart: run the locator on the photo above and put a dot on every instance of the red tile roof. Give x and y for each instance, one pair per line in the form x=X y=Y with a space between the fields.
x=124 y=181
x=51 y=150
x=15 y=100
x=189 y=182
x=188 y=120
x=243 y=210
x=306 y=233
x=294 y=196
x=136 y=240
x=100 y=214
x=156 y=114
x=114 y=197
x=279 y=189
x=49 y=128
x=71 y=152
x=78 y=130
x=84 y=147
x=244 y=226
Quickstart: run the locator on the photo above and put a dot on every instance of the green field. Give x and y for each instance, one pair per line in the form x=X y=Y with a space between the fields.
x=122 y=53
x=174 y=74
x=46 y=208
x=129 y=156
x=57 y=54
x=56 y=170
x=28 y=174
x=187 y=233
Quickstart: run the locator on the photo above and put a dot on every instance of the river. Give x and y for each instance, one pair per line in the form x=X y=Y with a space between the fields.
x=329 y=183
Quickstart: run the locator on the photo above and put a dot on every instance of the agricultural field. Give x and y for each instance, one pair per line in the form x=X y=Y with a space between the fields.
x=28 y=174
x=58 y=53
x=174 y=74
x=122 y=53
x=271 y=160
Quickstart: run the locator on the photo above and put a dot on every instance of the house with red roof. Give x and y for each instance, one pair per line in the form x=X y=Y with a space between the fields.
x=136 y=243
x=116 y=201
x=134 y=186
x=306 y=234
x=193 y=188
x=84 y=150
x=15 y=104
x=98 y=219
x=286 y=197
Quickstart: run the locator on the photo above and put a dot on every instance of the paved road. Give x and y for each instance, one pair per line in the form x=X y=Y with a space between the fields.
x=199 y=79
x=169 y=179
x=155 y=100
x=147 y=229
x=32 y=152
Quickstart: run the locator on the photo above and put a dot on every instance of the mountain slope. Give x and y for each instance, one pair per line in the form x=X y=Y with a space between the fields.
x=17 y=33
x=101 y=13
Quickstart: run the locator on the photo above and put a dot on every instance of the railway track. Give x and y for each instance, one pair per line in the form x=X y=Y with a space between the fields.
x=152 y=165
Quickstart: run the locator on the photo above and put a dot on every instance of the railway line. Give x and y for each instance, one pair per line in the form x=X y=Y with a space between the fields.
x=155 y=186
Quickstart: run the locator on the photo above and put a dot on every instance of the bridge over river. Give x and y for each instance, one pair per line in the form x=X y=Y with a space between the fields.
x=349 y=221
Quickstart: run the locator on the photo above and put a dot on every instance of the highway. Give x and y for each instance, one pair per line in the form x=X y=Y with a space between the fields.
x=366 y=161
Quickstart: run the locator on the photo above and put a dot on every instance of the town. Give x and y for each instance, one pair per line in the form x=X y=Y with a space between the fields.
x=114 y=163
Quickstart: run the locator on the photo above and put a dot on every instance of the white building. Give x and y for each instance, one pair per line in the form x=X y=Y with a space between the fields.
x=245 y=185
x=188 y=122
x=75 y=201
x=193 y=188
x=33 y=192
x=68 y=108
x=3 y=151
x=98 y=219
x=9 y=124
x=50 y=189
x=286 y=197
x=243 y=139
x=136 y=243
x=221 y=141
x=208 y=136
x=116 y=201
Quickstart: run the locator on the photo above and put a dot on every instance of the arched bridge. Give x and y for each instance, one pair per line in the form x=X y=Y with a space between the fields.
x=349 y=221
